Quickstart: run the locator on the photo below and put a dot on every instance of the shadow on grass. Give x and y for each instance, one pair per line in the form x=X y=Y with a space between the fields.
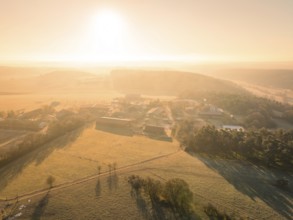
x=141 y=205
x=157 y=210
x=15 y=168
x=125 y=131
x=256 y=182
x=112 y=181
x=98 y=188
x=41 y=207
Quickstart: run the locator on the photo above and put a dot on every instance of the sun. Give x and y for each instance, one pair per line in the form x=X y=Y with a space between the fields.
x=108 y=35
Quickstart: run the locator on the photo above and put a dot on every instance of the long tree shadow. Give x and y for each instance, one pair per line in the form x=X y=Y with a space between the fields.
x=112 y=181
x=141 y=204
x=40 y=208
x=151 y=210
x=15 y=168
x=98 y=188
x=256 y=182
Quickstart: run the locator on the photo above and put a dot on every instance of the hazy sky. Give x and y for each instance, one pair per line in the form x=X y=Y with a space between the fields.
x=189 y=30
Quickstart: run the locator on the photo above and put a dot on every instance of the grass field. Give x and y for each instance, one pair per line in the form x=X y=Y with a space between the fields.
x=75 y=156
x=235 y=187
x=108 y=197
x=30 y=101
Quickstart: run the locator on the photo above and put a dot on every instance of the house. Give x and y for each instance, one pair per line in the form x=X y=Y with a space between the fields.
x=233 y=127
x=211 y=111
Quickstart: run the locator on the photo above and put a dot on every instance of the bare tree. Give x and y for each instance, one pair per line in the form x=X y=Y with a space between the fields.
x=50 y=181
x=99 y=169
x=110 y=167
x=114 y=166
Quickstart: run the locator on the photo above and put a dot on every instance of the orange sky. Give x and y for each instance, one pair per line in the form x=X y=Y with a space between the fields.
x=167 y=30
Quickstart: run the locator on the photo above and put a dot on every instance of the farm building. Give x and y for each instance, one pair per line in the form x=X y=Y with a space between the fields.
x=115 y=122
x=120 y=126
x=155 y=130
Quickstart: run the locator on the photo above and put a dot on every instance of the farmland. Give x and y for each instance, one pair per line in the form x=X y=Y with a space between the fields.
x=76 y=156
x=72 y=157
x=70 y=165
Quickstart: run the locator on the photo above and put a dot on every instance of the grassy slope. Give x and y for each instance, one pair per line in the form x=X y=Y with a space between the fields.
x=276 y=78
x=73 y=157
x=72 y=99
x=167 y=82
x=231 y=186
x=101 y=199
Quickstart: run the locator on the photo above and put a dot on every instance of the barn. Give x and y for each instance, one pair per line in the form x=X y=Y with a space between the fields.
x=114 y=122
x=154 y=130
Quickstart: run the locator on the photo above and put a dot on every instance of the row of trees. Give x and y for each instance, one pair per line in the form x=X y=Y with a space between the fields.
x=33 y=141
x=270 y=148
x=238 y=103
x=8 y=114
x=19 y=124
x=257 y=112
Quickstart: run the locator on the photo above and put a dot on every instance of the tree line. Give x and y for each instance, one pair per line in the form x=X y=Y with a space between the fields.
x=35 y=140
x=16 y=124
x=262 y=146
x=173 y=197
x=258 y=112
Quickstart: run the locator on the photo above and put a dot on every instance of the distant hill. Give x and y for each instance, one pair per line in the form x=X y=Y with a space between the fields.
x=152 y=82
x=167 y=82
x=277 y=78
x=7 y=72
x=33 y=80
x=66 y=74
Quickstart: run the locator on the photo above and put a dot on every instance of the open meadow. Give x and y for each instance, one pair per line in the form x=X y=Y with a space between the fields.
x=77 y=155
x=235 y=187
x=30 y=101
x=151 y=110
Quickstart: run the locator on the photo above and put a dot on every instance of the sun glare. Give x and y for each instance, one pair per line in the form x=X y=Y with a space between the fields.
x=108 y=34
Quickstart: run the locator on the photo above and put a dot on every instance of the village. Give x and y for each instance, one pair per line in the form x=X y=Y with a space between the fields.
x=134 y=114
x=131 y=114
x=86 y=141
